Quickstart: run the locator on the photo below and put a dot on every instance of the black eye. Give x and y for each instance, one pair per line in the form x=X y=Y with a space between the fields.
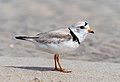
x=82 y=27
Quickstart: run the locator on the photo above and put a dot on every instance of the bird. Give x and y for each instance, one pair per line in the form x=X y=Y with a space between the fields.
x=61 y=41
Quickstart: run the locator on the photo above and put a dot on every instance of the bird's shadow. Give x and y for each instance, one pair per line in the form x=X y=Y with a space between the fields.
x=33 y=68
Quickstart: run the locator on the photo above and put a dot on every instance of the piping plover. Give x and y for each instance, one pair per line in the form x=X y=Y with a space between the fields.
x=61 y=41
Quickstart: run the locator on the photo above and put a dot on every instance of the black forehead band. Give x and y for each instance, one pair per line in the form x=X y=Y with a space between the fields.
x=86 y=23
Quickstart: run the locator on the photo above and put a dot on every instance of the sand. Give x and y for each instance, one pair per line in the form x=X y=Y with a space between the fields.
x=29 y=69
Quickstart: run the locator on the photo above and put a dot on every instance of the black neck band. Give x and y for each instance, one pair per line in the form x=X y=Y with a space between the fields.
x=75 y=38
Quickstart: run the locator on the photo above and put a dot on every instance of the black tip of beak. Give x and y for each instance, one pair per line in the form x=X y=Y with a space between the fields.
x=92 y=32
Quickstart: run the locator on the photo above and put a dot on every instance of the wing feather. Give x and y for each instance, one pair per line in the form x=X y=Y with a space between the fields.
x=52 y=37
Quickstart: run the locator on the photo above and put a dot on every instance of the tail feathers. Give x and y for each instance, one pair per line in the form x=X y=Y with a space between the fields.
x=25 y=37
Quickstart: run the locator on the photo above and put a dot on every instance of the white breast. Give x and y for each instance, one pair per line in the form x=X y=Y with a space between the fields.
x=62 y=48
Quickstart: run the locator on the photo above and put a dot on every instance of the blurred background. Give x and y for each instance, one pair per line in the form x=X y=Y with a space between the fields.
x=29 y=17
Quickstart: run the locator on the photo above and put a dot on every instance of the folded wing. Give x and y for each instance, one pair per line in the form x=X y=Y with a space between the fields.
x=52 y=37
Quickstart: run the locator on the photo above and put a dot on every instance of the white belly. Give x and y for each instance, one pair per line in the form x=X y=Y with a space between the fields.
x=62 y=48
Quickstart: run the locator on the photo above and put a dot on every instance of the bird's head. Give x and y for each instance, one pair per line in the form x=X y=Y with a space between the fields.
x=81 y=29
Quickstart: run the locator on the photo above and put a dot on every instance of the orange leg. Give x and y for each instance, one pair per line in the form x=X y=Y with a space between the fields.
x=56 y=59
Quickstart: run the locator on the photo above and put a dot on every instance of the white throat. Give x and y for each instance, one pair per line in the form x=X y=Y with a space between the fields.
x=79 y=37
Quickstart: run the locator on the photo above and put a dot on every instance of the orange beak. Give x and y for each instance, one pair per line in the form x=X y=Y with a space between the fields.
x=90 y=31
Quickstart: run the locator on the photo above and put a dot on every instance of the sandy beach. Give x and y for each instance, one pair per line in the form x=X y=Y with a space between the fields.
x=29 y=69
x=96 y=60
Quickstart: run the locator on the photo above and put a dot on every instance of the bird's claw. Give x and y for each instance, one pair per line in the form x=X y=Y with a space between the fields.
x=61 y=70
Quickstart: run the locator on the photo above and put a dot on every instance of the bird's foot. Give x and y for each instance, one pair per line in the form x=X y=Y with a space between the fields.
x=61 y=70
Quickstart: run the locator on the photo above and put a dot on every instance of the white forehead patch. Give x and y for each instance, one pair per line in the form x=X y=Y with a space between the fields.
x=81 y=23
